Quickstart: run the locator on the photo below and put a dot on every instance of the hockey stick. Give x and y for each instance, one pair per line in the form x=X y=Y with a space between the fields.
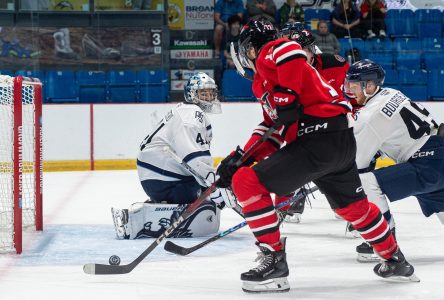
x=235 y=206
x=190 y=169
x=102 y=269
x=177 y=249
x=237 y=63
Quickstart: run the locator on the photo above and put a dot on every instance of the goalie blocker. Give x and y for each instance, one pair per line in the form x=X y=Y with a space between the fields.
x=149 y=220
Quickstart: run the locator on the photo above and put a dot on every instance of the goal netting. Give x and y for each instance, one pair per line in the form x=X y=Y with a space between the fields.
x=20 y=159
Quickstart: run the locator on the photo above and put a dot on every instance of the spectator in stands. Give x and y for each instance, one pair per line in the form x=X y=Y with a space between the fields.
x=261 y=8
x=372 y=18
x=325 y=40
x=234 y=28
x=290 y=11
x=222 y=11
x=345 y=18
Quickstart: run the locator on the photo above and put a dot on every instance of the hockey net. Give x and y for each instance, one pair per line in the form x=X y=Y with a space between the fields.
x=20 y=159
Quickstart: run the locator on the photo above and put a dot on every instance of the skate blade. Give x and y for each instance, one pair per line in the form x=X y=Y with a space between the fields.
x=352 y=234
x=296 y=218
x=367 y=258
x=275 y=285
x=411 y=278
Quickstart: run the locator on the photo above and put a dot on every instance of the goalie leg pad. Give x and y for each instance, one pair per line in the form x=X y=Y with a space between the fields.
x=152 y=219
x=275 y=285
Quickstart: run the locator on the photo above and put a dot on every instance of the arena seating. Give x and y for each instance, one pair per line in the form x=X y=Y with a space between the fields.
x=235 y=87
x=412 y=55
x=61 y=86
x=153 y=85
x=92 y=86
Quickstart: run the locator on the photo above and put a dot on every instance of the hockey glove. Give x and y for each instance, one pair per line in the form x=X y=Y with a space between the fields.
x=227 y=167
x=288 y=108
x=224 y=198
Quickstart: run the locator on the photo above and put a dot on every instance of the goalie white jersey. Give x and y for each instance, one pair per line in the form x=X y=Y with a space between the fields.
x=186 y=129
x=392 y=124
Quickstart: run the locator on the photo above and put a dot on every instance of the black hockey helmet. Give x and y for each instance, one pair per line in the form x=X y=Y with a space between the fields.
x=366 y=70
x=296 y=32
x=255 y=34
x=290 y=27
x=362 y=72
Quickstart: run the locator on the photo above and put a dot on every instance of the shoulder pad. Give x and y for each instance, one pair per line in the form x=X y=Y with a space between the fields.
x=332 y=60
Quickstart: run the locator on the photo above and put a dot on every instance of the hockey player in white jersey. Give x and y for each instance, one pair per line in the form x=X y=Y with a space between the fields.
x=391 y=124
x=186 y=131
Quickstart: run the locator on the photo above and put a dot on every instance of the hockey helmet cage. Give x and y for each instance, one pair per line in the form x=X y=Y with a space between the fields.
x=202 y=91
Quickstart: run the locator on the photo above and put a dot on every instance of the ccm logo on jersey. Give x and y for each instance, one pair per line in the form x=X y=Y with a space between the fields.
x=313 y=128
x=280 y=100
x=359 y=190
x=423 y=154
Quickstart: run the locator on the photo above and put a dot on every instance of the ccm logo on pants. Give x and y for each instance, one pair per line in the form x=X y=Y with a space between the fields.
x=311 y=129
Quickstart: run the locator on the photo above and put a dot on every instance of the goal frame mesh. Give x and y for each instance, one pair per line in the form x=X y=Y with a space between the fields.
x=27 y=168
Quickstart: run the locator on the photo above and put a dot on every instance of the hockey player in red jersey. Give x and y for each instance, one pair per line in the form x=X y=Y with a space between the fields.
x=332 y=67
x=320 y=147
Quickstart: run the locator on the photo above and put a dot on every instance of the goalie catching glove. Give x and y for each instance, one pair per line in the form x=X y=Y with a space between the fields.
x=288 y=108
x=228 y=167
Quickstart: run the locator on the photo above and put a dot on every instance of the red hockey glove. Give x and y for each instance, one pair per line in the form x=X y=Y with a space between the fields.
x=227 y=167
x=288 y=108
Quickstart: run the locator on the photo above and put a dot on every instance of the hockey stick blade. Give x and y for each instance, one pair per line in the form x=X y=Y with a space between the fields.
x=102 y=269
x=183 y=251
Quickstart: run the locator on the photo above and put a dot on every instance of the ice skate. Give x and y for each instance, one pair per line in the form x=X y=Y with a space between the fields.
x=365 y=251
x=396 y=268
x=351 y=232
x=120 y=219
x=366 y=254
x=270 y=276
x=294 y=212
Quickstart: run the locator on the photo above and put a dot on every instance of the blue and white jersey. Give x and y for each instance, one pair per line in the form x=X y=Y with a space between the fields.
x=392 y=124
x=186 y=129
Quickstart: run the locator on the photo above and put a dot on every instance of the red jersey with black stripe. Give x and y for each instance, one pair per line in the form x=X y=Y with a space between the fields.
x=283 y=63
x=332 y=68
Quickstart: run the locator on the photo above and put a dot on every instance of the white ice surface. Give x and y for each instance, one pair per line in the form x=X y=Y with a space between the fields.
x=78 y=230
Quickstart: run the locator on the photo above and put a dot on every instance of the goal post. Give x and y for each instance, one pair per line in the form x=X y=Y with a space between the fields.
x=21 y=166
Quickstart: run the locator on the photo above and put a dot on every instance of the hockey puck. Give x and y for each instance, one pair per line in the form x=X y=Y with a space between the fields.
x=114 y=260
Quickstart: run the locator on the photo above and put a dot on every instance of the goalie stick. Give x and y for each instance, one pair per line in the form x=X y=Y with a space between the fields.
x=177 y=249
x=102 y=269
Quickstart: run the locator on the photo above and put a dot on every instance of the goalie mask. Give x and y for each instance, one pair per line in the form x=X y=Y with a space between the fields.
x=360 y=74
x=202 y=91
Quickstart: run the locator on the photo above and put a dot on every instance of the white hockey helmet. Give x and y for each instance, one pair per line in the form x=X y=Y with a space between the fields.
x=202 y=91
